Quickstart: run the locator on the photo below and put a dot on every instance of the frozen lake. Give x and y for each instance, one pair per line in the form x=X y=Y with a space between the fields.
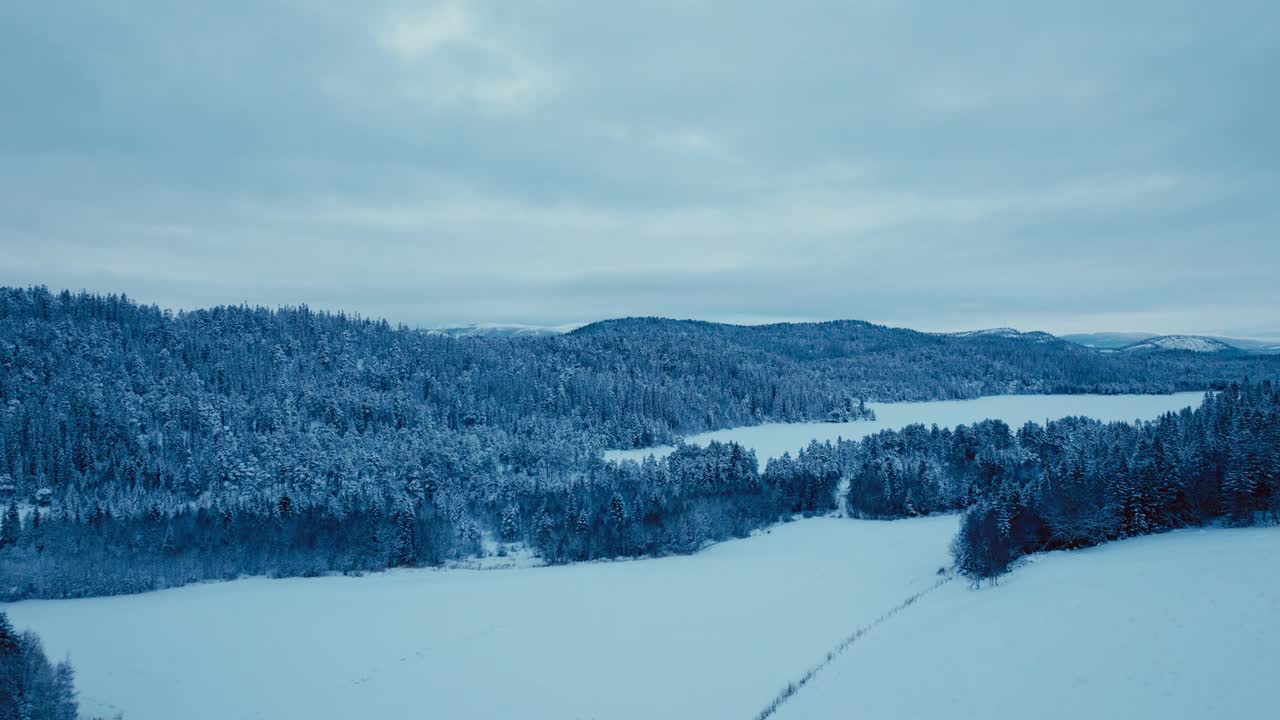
x=773 y=439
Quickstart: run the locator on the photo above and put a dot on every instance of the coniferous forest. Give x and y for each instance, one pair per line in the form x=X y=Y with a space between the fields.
x=141 y=448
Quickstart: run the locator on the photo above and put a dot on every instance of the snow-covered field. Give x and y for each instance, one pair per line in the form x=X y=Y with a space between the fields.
x=773 y=439
x=1181 y=625
x=705 y=636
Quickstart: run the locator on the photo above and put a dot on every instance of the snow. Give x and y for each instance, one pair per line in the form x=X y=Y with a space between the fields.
x=998 y=332
x=497 y=555
x=1005 y=332
x=773 y=439
x=1182 y=625
x=712 y=635
x=1193 y=343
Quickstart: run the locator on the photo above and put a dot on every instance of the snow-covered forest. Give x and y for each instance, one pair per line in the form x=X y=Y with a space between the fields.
x=1069 y=483
x=155 y=449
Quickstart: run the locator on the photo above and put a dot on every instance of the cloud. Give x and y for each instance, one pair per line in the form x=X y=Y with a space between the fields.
x=550 y=162
x=428 y=33
x=689 y=140
x=803 y=244
x=451 y=56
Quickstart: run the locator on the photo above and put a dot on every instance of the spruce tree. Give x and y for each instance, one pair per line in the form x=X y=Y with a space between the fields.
x=12 y=527
x=510 y=529
x=404 y=545
x=11 y=671
x=64 y=703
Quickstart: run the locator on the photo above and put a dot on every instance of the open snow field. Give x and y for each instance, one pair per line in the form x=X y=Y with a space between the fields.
x=1182 y=625
x=712 y=635
x=773 y=439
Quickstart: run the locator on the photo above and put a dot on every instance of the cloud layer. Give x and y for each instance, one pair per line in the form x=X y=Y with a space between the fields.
x=1103 y=166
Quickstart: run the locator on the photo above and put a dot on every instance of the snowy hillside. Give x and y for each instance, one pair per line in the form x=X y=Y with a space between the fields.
x=1005 y=332
x=1182 y=625
x=1118 y=341
x=1192 y=343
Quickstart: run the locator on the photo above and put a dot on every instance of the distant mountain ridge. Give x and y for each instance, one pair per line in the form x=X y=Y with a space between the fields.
x=1103 y=341
x=1156 y=342
x=1190 y=343
x=505 y=330
x=1007 y=332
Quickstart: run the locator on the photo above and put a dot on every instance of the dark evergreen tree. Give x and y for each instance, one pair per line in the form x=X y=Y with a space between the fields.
x=11 y=528
x=404 y=548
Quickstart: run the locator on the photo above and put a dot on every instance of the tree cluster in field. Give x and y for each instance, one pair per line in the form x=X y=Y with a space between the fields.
x=61 y=555
x=1221 y=461
x=141 y=448
x=1070 y=483
x=32 y=688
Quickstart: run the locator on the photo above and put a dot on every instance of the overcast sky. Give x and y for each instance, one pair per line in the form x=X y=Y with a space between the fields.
x=1070 y=167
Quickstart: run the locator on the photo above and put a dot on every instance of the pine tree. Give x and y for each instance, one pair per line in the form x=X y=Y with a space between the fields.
x=11 y=671
x=510 y=529
x=618 y=509
x=11 y=530
x=1238 y=482
x=404 y=544
x=8 y=637
x=65 y=706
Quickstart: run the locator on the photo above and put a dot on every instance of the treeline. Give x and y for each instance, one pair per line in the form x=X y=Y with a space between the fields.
x=32 y=688
x=104 y=552
x=678 y=504
x=1071 y=483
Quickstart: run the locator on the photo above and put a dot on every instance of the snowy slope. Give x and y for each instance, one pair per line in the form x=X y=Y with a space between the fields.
x=1192 y=343
x=1118 y=341
x=706 y=636
x=1006 y=332
x=1183 y=625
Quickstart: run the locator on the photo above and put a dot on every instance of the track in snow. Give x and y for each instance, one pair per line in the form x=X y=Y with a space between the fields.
x=794 y=686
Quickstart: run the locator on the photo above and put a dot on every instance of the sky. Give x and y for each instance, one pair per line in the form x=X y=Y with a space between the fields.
x=1069 y=167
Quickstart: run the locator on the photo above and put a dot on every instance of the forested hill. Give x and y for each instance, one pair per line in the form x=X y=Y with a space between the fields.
x=622 y=383
x=882 y=363
x=100 y=387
